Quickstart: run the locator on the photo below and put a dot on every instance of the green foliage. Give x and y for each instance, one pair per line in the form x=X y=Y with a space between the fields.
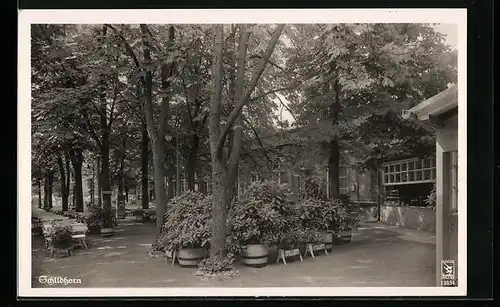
x=431 y=198
x=188 y=222
x=60 y=234
x=368 y=69
x=309 y=235
x=217 y=264
x=347 y=215
x=263 y=214
x=101 y=218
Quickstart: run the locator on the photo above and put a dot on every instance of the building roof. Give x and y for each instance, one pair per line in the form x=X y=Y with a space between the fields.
x=436 y=105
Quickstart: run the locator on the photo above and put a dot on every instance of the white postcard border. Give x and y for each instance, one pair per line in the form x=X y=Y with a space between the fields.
x=28 y=17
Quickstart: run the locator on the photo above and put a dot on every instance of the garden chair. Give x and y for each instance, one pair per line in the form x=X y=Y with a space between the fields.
x=80 y=234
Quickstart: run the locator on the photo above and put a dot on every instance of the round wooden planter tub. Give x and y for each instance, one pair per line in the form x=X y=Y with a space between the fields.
x=189 y=257
x=255 y=255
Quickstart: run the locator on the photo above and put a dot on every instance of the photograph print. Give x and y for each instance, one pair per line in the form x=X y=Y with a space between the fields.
x=237 y=155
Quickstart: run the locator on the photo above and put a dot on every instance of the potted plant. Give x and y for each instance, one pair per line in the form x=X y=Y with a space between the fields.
x=313 y=240
x=187 y=228
x=291 y=246
x=108 y=221
x=317 y=215
x=347 y=218
x=60 y=235
x=258 y=220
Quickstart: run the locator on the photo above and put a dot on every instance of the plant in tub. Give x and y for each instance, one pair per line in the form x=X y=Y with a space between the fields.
x=260 y=218
x=187 y=227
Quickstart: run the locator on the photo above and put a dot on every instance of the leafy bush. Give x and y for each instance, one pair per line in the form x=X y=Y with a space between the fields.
x=431 y=198
x=108 y=218
x=187 y=223
x=347 y=216
x=217 y=264
x=100 y=218
x=60 y=234
x=262 y=215
x=309 y=235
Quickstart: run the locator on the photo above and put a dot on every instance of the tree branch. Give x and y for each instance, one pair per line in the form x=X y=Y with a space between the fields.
x=286 y=107
x=273 y=91
x=245 y=96
x=128 y=48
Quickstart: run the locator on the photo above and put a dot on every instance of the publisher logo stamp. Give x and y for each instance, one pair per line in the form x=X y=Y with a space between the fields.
x=448 y=272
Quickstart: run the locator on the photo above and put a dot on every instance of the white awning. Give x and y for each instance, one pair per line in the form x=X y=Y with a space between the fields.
x=436 y=105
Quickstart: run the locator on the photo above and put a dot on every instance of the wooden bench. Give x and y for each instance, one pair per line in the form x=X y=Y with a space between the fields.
x=79 y=231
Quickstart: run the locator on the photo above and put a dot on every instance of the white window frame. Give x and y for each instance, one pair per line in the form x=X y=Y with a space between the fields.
x=401 y=169
x=345 y=189
x=454 y=181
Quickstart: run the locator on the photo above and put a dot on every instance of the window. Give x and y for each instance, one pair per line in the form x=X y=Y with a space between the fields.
x=300 y=183
x=343 y=180
x=183 y=185
x=410 y=171
x=254 y=178
x=283 y=177
x=454 y=181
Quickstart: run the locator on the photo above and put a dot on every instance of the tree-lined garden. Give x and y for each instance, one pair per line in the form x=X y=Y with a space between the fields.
x=123 y=105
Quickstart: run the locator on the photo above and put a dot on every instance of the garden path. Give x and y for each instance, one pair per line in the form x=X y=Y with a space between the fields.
x=377 y=256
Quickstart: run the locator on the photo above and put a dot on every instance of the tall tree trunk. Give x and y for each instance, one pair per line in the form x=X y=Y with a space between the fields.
x=77 y=162
x=51 y=185
x=178 y=181
x=126 y=191
x=171 y=188
x=46 y=192
x=92 y=185
x=334 y=157
x=99 y=184
x=68 y=177
x=40 y=203
x=105 y=172
x=120 y=197
x=62 y=175
x=191 y=161
x=157 y=136
x=220 y=209
x=218 y=136
x=144 y=166
x=200 y=175
x=232 y=176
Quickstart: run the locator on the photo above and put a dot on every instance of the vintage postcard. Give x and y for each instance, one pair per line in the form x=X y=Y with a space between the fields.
x=304 y=153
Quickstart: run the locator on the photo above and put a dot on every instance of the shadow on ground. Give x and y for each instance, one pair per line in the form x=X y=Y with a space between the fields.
x=377 y=256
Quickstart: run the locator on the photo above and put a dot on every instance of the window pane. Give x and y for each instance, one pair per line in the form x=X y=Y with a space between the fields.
x=386 y=169
x=404 y=177
x=433 y=173
x=398 y=168
x=391 y=178
x=398 y=178
x=433 y=161
x=411 y=176
x=391 y=168
x=284 y=177
x=418 y=175
x=427 y=174
x=411 y=165
x=386 y=178
x=342 y=172
x=418 y=164
x=427 y=163
x=403 y=167
x=342 y=183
